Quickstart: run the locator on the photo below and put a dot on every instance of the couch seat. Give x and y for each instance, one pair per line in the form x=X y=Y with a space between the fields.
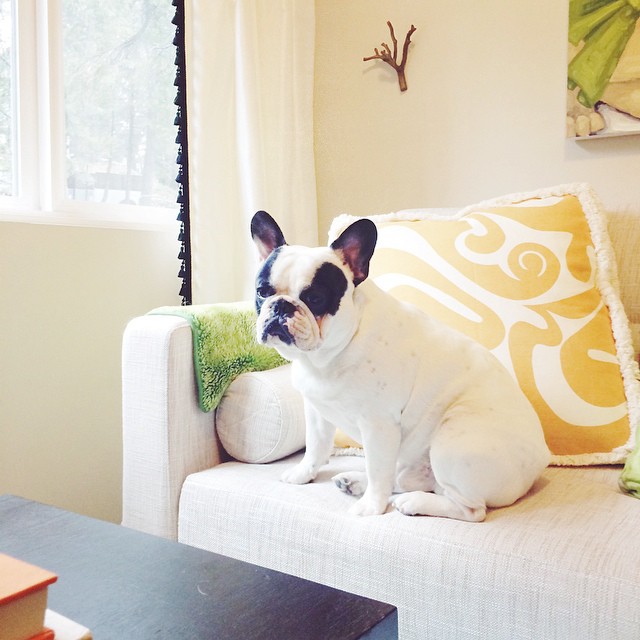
x=548 y=562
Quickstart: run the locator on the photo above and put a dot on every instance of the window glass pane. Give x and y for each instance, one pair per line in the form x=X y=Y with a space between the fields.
x=118 y=60
x=7 y=102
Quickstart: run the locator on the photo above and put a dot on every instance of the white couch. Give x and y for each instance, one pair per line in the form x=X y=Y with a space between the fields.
x=562 y=563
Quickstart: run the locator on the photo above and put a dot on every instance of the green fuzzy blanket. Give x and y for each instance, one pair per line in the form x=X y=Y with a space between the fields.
x=630 y=477
x=224 y=346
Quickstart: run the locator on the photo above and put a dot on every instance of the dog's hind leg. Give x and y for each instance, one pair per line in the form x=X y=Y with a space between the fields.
x=421 y=503
x=353 y=483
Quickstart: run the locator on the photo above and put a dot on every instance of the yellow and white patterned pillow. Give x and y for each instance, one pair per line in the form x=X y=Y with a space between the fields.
x=533 y=278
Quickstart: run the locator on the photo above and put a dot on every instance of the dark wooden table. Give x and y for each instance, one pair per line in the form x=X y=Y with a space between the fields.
x=127 y=585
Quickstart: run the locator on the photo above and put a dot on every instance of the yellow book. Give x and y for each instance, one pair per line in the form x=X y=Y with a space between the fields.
x=23 y=598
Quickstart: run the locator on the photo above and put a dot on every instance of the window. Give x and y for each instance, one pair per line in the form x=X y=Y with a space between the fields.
x=87 y=111
x=7 y=106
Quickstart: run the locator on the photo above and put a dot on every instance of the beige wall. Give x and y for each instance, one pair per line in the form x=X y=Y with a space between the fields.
x=66 y=294
x=483 y=115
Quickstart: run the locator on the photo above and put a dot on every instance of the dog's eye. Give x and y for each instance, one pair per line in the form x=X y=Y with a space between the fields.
x=264 y=291
x=313 y=298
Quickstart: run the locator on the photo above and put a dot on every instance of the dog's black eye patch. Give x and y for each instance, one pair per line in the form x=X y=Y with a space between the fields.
x=325 y=292
x=264 y=289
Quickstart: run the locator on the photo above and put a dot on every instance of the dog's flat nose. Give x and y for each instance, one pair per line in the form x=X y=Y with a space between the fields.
x=283 y=308
x=278 y=329
x=276 y=325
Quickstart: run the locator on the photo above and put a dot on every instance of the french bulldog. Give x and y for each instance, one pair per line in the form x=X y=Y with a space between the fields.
x=445 y=429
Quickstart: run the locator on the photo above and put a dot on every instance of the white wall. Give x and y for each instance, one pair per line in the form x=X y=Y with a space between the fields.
x=484 y=114
x=66 y=294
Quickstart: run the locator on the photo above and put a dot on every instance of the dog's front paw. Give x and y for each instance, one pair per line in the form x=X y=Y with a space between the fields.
x=369 y=506
x=352 y=483
x=300 y=474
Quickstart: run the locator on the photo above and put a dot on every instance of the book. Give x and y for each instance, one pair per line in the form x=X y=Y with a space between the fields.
x=64 y=628
x=45 y=634
x=23 y=599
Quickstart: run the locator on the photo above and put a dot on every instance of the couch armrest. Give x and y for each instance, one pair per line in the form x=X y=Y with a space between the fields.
x=166 y=436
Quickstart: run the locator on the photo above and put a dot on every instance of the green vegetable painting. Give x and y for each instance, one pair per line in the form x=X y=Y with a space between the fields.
x=603 y=75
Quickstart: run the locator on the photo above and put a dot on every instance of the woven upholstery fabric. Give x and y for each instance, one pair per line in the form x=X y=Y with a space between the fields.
x=560 y=563
x=261 y=416
x=165 y=434
x=624 y=229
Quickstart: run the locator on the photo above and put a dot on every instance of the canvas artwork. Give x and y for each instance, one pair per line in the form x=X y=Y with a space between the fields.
x=603 y=75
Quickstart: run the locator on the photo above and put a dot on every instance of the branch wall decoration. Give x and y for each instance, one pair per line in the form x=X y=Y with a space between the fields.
x=391 y=58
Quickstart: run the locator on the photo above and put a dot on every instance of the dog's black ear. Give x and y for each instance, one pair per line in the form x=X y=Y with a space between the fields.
x=355 y=247
x=266 y=234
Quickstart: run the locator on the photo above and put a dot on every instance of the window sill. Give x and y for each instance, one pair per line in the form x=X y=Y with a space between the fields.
x=135 y=218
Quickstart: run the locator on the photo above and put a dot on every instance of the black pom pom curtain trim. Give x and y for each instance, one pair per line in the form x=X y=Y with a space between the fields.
x=182 y=159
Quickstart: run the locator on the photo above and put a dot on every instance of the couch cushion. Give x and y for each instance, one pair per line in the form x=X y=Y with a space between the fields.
x=532 y=277
x=624 y=229
x=560 y=563
x=261 y=417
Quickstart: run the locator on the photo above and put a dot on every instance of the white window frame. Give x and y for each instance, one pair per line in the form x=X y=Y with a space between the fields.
x=40 y=155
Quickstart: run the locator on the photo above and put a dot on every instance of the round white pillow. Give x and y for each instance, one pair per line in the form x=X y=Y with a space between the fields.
x=261 y=417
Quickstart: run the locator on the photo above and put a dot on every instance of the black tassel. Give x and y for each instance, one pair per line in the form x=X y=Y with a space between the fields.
x=182 y=159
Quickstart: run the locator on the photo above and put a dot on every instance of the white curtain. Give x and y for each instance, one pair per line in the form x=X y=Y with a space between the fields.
x=249 y=66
